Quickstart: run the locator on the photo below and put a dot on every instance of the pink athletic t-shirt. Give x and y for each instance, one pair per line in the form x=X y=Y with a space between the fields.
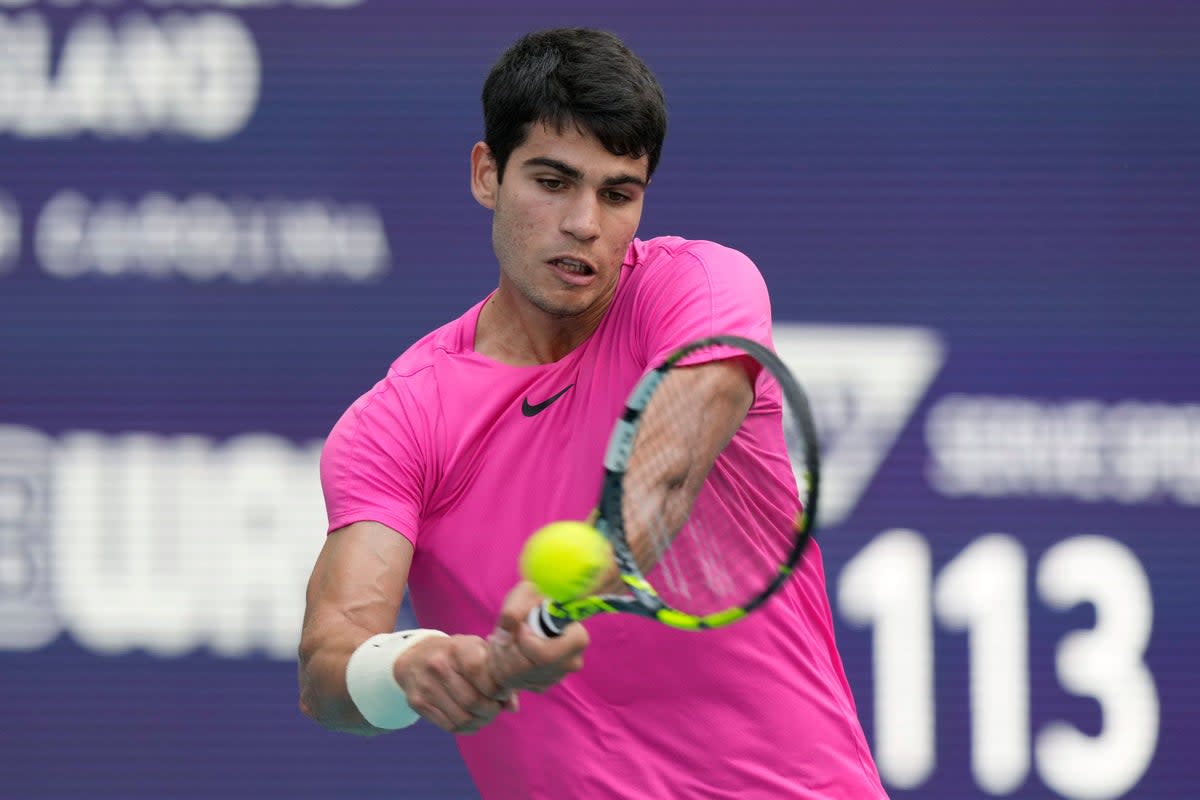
x=445 y=451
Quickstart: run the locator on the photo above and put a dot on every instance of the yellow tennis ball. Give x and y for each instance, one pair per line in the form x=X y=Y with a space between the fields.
x=566 y=559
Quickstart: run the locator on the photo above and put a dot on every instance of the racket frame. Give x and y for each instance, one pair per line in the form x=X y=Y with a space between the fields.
x=551 y=618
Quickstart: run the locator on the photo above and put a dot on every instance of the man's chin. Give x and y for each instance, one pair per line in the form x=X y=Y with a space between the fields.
x=562 y=310
x=564 y=313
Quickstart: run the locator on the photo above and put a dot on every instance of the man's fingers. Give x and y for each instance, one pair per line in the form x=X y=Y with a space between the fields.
x=526 y=661
x=505 y=660
x=475 y=664
x=565 y=651
x=468 y=685
x=451 y=685
x=521 y=659
x=454 y=705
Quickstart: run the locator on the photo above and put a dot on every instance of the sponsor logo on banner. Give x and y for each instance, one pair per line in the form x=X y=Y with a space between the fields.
x=864 y=383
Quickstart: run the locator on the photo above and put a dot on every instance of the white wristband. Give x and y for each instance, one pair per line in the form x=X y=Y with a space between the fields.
x=372 y=683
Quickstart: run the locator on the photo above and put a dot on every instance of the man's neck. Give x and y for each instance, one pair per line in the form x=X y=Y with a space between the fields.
x=509 y=336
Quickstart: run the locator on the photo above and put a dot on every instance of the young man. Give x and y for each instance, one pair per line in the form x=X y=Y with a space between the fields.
x=495 y=424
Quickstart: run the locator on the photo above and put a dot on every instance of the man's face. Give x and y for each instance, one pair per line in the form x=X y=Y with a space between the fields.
x=565 y=214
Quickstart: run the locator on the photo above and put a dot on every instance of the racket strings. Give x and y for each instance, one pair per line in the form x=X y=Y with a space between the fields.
x=693 y=568
x=708 y=536
x=714 y=563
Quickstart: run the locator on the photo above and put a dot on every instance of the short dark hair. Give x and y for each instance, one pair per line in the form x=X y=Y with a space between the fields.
x=574 y=76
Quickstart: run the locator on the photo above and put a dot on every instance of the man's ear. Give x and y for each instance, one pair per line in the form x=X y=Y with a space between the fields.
x=485 y=175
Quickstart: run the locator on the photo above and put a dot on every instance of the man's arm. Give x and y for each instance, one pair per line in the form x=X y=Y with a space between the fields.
x=683 y=440
x=355 y=592
x=688 y=422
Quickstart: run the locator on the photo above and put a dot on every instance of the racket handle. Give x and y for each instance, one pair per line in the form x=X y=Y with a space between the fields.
x=543 y=624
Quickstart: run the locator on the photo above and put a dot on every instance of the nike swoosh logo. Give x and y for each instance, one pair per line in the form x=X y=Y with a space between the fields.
x=530 y=409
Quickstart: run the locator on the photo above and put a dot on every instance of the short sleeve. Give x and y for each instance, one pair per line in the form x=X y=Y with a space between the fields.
x=375 y=464
x=695 y=289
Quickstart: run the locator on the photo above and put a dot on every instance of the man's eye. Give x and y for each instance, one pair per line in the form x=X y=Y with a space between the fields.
x=551 y=183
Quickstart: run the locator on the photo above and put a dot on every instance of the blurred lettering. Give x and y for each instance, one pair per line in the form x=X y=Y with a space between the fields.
x=28 y=617
x=10 y=232
x=1129 y=452
x=886 y=586
x=890 y=587
x=1107 y=663
x=161 y=543
x=172 y=543
x=330 y=4
x=196 y=75
x=204 y=237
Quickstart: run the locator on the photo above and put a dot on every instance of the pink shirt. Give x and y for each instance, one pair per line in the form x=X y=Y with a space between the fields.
x=441 y=451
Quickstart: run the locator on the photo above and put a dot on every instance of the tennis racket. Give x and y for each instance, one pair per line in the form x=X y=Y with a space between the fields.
x=709 y=492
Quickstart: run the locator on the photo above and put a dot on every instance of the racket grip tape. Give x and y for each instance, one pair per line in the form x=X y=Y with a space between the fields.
x=543 y=623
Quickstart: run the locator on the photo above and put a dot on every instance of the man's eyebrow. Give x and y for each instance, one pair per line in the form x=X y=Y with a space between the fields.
x=575 y=174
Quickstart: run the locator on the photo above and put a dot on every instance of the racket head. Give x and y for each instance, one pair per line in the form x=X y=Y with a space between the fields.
x=709 y=509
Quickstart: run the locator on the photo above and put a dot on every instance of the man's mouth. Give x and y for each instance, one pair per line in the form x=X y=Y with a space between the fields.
x=573 y=266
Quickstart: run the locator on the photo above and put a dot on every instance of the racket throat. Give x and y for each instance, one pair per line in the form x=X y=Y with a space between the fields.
x=635 y=582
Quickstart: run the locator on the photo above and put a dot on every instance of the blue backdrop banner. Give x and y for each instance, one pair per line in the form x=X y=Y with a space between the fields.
x=220 y=221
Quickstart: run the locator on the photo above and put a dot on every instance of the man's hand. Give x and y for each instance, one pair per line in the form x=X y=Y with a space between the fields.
x=448 y=681
x=520 y=658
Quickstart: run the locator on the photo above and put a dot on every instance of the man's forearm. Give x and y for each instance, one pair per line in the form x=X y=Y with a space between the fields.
x=322 y=677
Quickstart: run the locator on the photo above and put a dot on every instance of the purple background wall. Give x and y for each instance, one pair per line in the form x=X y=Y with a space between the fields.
x=218 y=226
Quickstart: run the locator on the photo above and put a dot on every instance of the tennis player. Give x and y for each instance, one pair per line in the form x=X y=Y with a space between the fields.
x=495 y=423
